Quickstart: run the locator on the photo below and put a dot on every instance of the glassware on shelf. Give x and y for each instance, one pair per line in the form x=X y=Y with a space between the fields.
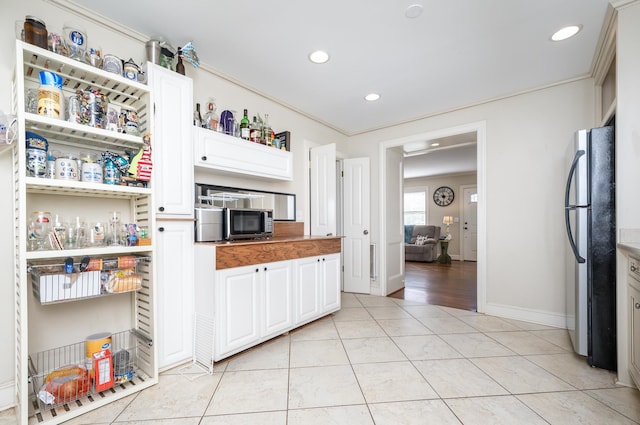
x=113 y=237
x=75 y=233
x=38 y=230
x=60 y=228
x=95 y=234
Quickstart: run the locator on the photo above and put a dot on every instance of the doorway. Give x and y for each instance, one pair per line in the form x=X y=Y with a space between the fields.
x=387 y=146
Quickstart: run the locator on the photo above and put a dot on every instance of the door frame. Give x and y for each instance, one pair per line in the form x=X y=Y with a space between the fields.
x=479 y=128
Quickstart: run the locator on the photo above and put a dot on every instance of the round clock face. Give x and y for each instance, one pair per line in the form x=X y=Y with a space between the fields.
x=443 y=196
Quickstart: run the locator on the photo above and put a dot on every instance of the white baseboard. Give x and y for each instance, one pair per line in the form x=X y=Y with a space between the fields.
x=7 y=395
x=546 y=318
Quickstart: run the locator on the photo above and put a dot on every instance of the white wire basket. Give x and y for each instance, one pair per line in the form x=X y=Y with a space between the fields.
x=59 y=282
x=65 y=375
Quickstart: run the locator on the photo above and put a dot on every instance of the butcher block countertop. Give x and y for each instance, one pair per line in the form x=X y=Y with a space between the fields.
x=231 y=254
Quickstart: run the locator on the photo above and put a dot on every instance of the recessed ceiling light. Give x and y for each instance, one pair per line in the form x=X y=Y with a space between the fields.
x=433 y=145
x=413 y=11
x=372 y=97
x=566 y=32
x=319 y=56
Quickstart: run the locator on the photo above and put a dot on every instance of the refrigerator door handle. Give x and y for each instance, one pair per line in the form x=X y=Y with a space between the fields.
x=568 y=208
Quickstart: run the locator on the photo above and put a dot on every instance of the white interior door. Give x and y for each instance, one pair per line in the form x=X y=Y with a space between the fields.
x=470 y=224
x=356 y=224
x=323 y=190
x=394 y=220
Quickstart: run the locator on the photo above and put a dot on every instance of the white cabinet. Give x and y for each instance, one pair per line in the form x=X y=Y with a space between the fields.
x=634 y=319
x=253 y=303
x=173 y=190
x=50 y=336
x=307 y=289
x=317 y=287
x=277 y=295
x=237 y=316
x=330 y=271
x=172 y=141
x=174 y=283
x=224 y=153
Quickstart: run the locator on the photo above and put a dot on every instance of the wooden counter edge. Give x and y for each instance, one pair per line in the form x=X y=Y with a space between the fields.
x=258 y=252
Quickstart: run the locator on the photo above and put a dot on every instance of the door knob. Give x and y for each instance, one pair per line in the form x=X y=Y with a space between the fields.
x=637 y=305
x=366 y=232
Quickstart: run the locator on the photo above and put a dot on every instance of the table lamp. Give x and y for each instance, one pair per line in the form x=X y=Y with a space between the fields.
x=448 y=221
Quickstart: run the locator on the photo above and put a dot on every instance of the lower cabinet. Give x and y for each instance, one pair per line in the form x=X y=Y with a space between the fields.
x=317 y=287
x=175 y=268
x=634 y=329
x=253 y=303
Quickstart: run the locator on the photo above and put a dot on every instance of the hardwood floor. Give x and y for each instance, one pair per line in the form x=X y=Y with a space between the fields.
x=451 y=285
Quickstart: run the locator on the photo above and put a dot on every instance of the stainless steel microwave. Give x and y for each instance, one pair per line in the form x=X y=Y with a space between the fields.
x=243 y=223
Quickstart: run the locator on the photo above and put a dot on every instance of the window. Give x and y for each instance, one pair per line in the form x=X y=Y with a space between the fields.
x=415 y=206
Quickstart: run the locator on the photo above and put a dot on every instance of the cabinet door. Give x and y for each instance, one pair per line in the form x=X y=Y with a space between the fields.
x=237 y=309
x=174 y=283
x=171 y=142
x=634 y=332
x=277 y=297
x=222 y=152
x=307 y=289
x=330 y=282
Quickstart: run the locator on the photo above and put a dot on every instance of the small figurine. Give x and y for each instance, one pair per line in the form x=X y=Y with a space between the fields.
x=141 y=164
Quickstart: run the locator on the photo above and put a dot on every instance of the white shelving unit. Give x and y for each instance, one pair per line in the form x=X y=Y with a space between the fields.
x=48 y=328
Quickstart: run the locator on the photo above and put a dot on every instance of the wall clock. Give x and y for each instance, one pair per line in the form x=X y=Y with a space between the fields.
x=443 y=196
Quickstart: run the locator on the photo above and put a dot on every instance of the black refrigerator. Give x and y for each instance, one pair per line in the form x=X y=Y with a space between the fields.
x=591 y=249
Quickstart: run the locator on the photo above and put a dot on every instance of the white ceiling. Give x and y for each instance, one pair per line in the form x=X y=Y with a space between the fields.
x=455 y=53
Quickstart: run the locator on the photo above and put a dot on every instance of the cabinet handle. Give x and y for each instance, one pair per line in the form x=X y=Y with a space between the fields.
x=265 y=269
x=633 y=268
x=160 y=229
x=323 y=259
x=161 y=209
x=637 y=306
x=204 y=158
x=257 y=270
x=318 y=260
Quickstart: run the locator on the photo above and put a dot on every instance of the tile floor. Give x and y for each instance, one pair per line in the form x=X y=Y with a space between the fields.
x=387 y=361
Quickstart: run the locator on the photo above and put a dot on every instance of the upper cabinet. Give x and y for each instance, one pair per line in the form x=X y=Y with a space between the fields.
x=224 y=153
x=172 y=141
x=606 y=76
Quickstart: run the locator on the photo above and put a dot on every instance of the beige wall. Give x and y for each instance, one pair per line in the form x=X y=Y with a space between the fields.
x=436 y=212
x=527 y=137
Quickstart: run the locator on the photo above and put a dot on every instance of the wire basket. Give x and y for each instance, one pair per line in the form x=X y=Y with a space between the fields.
x=66 y=374
x=59 y=282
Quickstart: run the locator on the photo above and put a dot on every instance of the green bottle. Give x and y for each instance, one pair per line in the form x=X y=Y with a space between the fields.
x=244 y=126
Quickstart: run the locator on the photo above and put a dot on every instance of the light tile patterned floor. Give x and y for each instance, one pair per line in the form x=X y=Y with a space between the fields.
x=386 y=361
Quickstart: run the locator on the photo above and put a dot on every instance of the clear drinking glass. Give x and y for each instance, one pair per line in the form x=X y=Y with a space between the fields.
x=38 y=230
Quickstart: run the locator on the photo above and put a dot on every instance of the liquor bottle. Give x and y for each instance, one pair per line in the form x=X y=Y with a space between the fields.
x=266 y=132
x=197 y=118
x=244 y=126
x=180 y=65
x=210 y=117
x=254 y=131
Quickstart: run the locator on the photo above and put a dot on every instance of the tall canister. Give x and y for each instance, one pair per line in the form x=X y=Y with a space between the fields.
x=37 y=147
x=95 y=343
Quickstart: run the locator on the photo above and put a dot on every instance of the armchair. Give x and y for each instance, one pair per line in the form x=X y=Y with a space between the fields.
x=426 y=248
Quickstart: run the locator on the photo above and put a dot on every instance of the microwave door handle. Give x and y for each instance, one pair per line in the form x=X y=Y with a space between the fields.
x=568 y=208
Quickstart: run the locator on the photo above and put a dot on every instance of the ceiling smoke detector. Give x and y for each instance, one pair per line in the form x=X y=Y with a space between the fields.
x=413 y=11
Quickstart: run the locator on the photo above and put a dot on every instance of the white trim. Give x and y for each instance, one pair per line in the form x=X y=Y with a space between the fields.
x=546 y=318
x=479 y=128
x=7 y=395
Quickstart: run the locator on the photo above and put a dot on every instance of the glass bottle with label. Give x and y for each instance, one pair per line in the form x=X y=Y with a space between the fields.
x=266 y=132
x=210 y=117
x=197 y=118
x=180 y=65
x=254 y=131
x=244 y=126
